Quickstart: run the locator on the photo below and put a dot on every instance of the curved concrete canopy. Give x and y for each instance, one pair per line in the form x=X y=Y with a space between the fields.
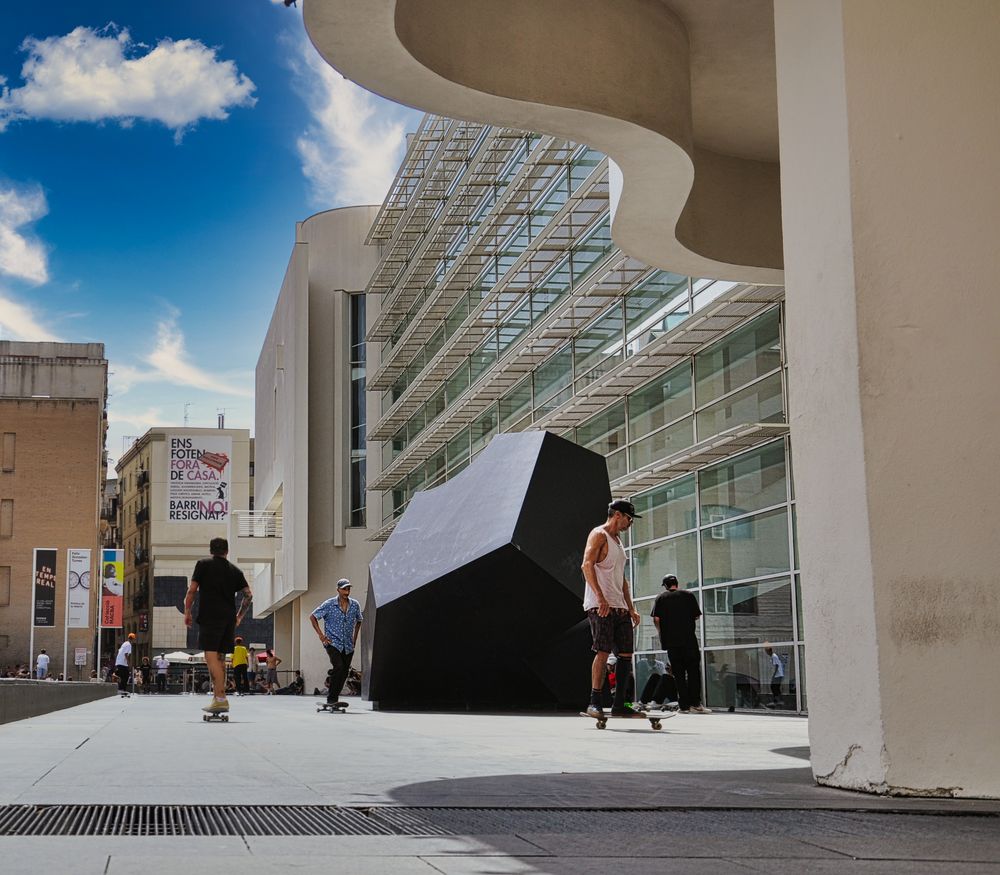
x=680 y=94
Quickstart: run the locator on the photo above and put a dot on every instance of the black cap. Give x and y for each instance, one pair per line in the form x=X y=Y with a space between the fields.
x=670 y=580
x=625 y=507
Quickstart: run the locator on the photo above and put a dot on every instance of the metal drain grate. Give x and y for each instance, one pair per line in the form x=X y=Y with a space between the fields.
x=206 y=820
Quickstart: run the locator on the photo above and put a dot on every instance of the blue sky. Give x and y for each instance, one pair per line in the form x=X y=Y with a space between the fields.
x=154 y=158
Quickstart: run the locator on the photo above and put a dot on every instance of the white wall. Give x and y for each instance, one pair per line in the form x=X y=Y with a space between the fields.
x=891 y=202
x=303 y=431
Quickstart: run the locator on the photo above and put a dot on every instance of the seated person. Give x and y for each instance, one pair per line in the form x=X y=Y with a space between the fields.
x=295 y=688
x=661 y=690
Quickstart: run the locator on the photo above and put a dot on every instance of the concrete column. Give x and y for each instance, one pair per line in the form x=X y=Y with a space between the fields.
x=890 y=172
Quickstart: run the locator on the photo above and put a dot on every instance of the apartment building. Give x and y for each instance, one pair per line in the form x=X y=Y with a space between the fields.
x=177 y=489
x=53 y=420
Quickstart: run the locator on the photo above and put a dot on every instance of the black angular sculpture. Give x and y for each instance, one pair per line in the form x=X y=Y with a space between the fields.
x=475 y=601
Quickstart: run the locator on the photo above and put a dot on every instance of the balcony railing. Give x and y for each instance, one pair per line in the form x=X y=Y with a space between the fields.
x=258 y=524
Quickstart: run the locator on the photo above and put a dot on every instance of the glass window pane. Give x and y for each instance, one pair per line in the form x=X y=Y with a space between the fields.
x=605 y=432
x=484 y=357
x=515 y=405
x=664 y=511
x=514 y=326
x=457 y=383
x=744 y=678
x=617 y=464
x=553 y=375
x=802 y=678
x=749 y=482
x=662 y=443
x=650 y=563
x=761 y=402
x=748 y=613
x=458 y=447
x=599 y=347
x=738 y=359
x=798 y=604
x=751 y=547
x=665 y=399
x=646 y=636
x=483 y=429
x=591 y=250
x=647 y=308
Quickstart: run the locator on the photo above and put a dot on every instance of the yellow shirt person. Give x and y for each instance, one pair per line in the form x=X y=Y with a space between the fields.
x=241 y=661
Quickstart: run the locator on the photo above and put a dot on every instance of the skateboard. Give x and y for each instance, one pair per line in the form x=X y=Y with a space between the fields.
x=655 y=720
x=332 y=707
x=221 y=717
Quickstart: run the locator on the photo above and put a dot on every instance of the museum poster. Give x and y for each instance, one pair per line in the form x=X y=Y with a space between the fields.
x=44 y=612
x=78 y=589
x=112 y=587
x=200 y=478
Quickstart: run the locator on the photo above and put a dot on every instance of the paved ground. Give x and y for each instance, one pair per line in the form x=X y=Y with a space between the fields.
x=520 y=794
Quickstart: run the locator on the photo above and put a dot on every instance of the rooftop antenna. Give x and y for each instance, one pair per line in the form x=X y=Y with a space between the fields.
x=187 y=404
x=222 y=416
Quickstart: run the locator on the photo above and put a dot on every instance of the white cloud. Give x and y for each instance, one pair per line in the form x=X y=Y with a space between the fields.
x=20 y=322
x=169 y=363
x=92 y=76
x=352 y=149
x=140 y=418
x=21 y=255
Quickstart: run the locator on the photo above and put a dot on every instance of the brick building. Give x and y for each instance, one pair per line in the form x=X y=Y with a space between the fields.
x=52 y=425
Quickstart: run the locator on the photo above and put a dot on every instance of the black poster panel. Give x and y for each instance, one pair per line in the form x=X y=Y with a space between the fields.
x=45 y=588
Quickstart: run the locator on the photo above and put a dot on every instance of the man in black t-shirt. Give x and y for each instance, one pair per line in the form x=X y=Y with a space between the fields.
x=675 y=613
x=218 y=581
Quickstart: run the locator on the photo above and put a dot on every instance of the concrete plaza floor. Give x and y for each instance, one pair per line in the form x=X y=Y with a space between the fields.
x=510 y=793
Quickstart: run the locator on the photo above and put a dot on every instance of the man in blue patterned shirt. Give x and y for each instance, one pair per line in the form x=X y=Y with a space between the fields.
x=341 y=624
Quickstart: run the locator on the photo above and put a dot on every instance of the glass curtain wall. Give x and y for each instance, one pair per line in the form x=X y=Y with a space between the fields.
x=727 y=531
x=358 y=411
x=738 y=380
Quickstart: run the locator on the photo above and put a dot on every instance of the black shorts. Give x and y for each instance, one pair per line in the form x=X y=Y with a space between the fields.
x=613 y=633
x=220 y=637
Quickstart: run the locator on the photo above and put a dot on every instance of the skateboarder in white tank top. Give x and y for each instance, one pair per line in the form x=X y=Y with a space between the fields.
x=608 y=603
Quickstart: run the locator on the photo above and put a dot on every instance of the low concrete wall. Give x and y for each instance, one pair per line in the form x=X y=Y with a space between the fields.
x=20 y=699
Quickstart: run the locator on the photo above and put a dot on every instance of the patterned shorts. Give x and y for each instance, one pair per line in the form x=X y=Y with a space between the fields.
x=613 y=633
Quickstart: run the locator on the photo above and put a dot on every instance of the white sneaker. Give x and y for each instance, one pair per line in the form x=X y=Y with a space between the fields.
x=700 y=709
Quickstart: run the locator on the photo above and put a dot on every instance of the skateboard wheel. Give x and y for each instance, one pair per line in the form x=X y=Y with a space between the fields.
x=601 y=724
x=657 y=724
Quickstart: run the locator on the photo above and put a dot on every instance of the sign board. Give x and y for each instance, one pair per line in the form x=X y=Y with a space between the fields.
x=112 y=588
x=200 y=478
x=44 y=589
x=78 y=589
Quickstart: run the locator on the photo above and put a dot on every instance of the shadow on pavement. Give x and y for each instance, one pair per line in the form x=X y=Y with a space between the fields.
x=767 y=788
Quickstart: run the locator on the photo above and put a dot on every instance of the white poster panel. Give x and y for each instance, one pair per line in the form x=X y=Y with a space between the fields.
x=78 y=587
x=200 y=478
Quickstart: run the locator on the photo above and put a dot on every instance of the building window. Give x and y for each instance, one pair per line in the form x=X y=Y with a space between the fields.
x=4 y=585
x=359 y=420
x=7 y=452
x=7 y=518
